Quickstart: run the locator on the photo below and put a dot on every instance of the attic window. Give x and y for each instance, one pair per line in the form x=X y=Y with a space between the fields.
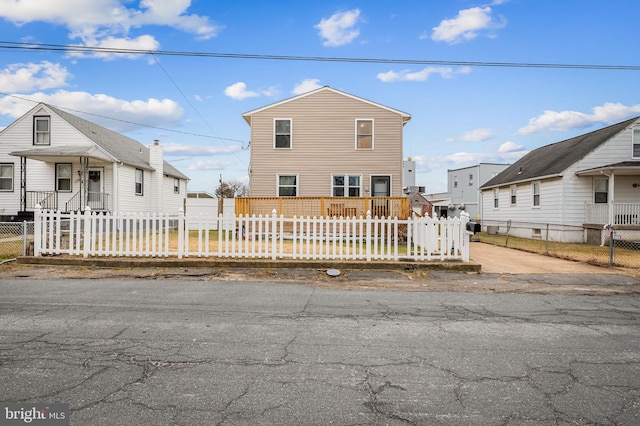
x=41 y=131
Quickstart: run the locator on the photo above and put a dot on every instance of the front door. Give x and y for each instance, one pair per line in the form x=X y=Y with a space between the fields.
x=95 y=189
x=380 y=187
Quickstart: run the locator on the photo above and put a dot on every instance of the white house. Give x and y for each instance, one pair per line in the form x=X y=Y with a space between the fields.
x=62 y=162
x=463 y=190
x=578 y=185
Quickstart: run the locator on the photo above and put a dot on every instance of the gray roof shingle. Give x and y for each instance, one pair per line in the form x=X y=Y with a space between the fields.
x=553 y=159
x=125 y=149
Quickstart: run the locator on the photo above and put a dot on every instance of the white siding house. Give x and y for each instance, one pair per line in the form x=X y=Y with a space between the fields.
x=59 y=161
x=580 y=184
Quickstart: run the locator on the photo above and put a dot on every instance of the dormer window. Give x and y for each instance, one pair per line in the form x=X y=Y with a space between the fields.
x=41 y=131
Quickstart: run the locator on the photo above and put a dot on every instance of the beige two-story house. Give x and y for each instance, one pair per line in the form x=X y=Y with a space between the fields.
x=326 y=143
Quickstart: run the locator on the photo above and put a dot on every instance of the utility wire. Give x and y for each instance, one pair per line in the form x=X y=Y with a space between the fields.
x=94 y=49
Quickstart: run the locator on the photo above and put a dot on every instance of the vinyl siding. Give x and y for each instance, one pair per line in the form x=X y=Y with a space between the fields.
x=323 y=143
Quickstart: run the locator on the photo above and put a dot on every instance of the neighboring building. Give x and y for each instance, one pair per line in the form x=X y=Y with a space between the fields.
x=326 y=143
x=54 y=159
x=463 y=190
x=580 y=184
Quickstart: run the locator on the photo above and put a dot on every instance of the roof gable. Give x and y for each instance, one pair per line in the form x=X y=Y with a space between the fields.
x=247 y=115
x=553 y=159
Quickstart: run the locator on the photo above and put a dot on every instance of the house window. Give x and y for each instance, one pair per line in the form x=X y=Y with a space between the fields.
x=63 y=177
x=535 y=190
x=6 y=177
x=601 y=190
x=496 y=197
x=139 y=182
x=41 y=131
x=282 y=133
x=471 y=179
x=345 y=186
x=455 y=181
x=364 y=134
x=514 y=192
x=176 y=185
x=287 y=185
x=636 y=143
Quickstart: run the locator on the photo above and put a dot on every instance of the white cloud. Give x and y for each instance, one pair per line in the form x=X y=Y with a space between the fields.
x=306 y=86
x=466 y=25
x=150 y=112
x=239 y=91
x=339 y=29
x=33 y=76
x=145 y=43
x=107 y=22
x=568 y=120
x=477 y=135
x=209 y=165
x=509 y=147
x=422 y=75
x=175 y=149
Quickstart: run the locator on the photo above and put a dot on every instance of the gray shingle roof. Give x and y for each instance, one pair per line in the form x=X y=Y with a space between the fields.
x=553 y=159
x=123 y=148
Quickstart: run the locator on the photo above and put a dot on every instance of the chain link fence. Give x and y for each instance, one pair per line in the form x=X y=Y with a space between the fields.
x=16 y=239
x=616 y=247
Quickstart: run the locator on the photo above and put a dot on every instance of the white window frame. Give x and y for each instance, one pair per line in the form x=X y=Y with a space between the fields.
x=635 y=143
x=139 y=173
x=470 y=179
x=513 y=195
x=537 y=184
x=176 y=185
x=296 y=186
x=606 y=191
x=46 y=134
x=496 y=198
x=276 y=134
x=9 y=177
x=357 y=127
x=346 y=187
x=61 y=178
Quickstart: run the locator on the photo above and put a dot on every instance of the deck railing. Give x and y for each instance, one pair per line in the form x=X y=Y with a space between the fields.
x=623 y=214
x=45 y=199
x=324 y=206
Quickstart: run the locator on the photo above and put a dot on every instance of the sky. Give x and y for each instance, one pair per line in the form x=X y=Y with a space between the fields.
x=208 y=62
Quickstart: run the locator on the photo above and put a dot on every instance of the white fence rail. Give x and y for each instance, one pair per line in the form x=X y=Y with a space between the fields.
x=272 y=237
x=623 y=214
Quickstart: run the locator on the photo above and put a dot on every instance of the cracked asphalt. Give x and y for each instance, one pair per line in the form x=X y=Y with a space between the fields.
x=207 y=349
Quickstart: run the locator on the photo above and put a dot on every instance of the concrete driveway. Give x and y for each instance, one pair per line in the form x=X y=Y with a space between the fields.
x=503 y=260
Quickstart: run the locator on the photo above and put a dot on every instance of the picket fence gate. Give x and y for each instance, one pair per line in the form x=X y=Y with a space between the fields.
x=273 y=237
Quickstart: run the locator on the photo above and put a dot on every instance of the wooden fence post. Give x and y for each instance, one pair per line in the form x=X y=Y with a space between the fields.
x=368 y=236
x=181 y=223
x=87 y=232
x=37 y=230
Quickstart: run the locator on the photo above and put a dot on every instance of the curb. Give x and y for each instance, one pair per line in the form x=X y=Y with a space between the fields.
x=115 y=262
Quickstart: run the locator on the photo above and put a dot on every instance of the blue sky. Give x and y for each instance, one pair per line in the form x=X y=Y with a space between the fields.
x=462 y=115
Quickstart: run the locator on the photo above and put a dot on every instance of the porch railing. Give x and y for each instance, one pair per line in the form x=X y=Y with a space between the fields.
x=46 y=199
x=98 y=201
x=623 y=213
x=324 y=206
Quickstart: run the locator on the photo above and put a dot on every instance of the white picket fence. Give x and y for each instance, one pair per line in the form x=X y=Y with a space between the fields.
x=271 y=237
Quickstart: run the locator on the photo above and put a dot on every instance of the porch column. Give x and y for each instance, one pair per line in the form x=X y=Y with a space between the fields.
x=611 y=200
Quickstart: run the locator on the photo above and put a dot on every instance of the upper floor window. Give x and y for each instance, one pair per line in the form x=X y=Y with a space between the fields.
x=535 y=190
x=514 y=193
x=282 y=133
x=176 y=185
x=6 y=177
x=496 y=197
x=636 y=143
x=471 y=179
x=287 y=185
x=41 y=131
x=364 y=134
x=601 y=190
x=455 y=181
x=345 y=186
x=63 y=177
x=139 y=182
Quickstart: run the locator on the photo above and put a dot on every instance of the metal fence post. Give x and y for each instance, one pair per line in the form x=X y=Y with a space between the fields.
x=24 y=237
x=611 y=245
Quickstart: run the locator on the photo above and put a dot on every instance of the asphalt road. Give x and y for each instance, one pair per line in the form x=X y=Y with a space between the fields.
x=204 y=352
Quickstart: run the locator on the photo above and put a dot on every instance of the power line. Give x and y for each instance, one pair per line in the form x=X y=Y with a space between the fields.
x=130 y=122
x=109 y=50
